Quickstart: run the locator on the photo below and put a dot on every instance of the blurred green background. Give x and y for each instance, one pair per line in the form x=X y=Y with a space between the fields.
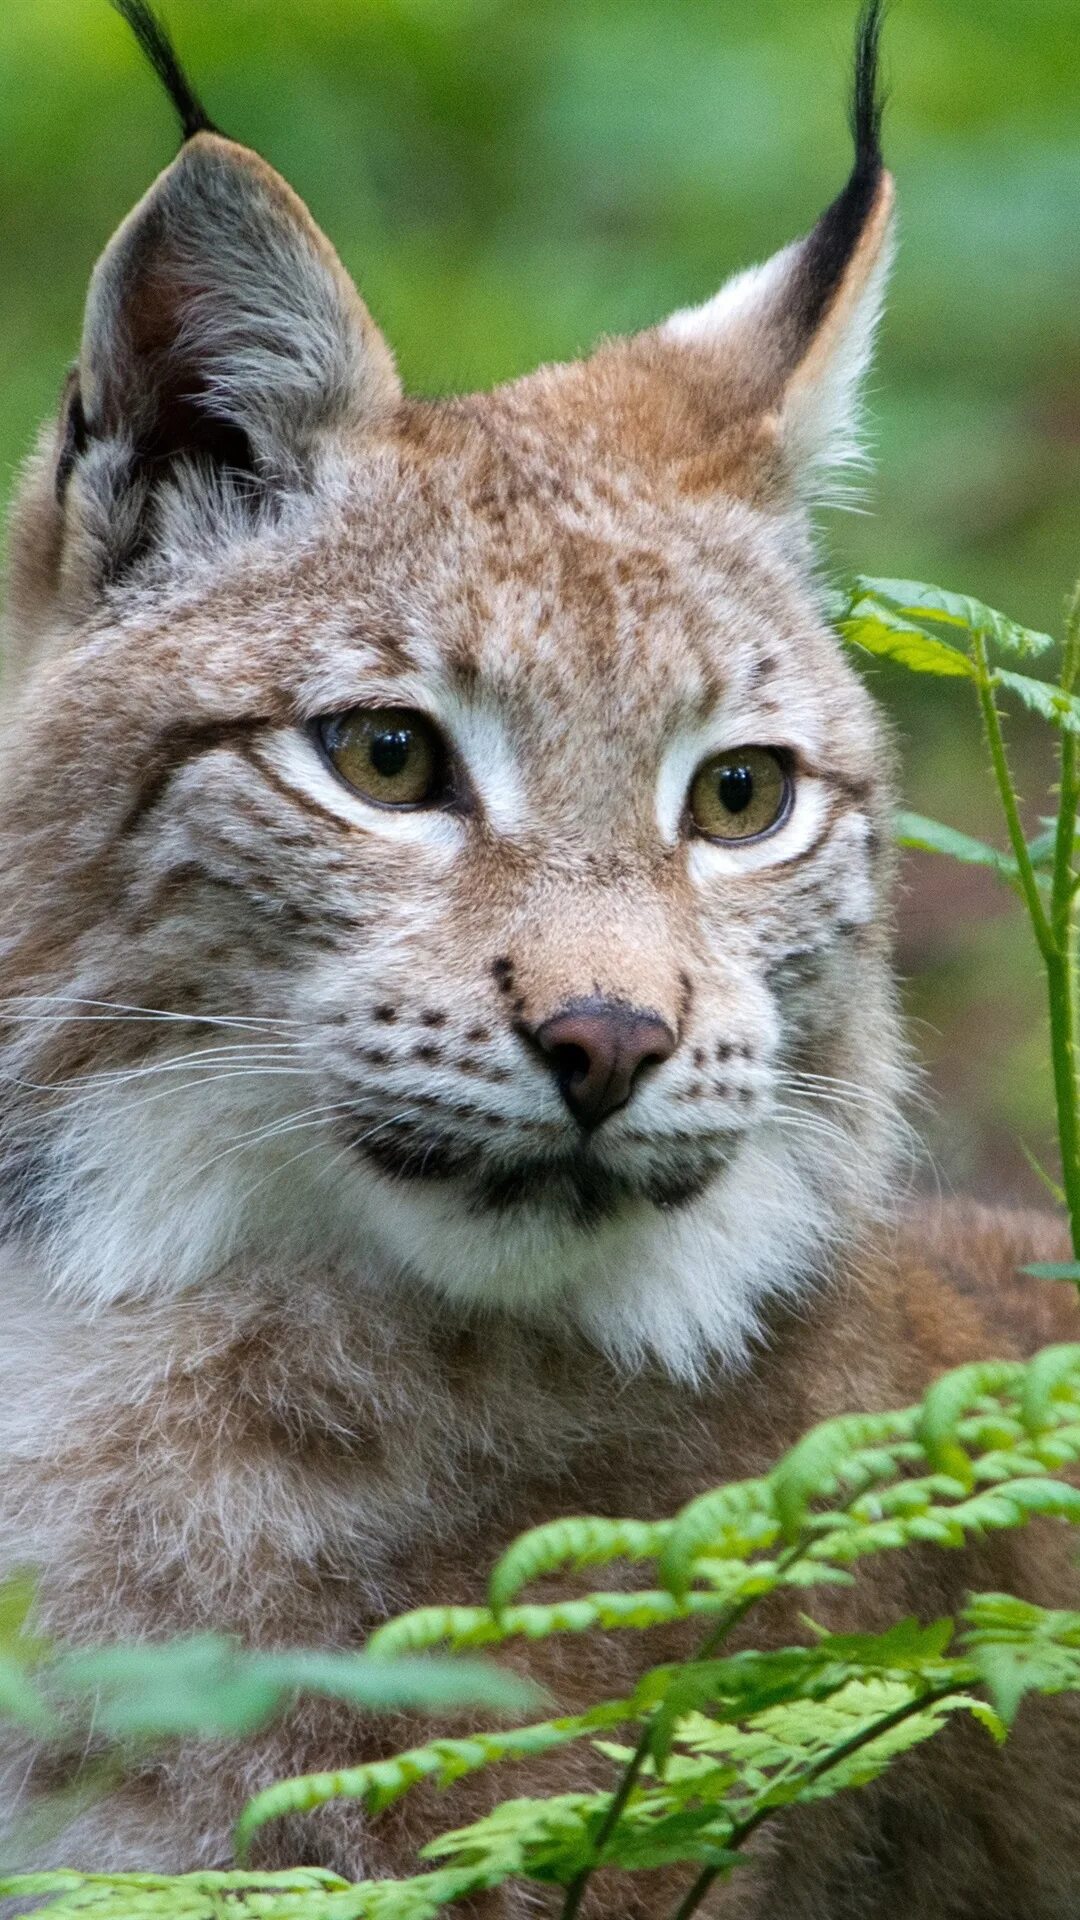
x=509 y=179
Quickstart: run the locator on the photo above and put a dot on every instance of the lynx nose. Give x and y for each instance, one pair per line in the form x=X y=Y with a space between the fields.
x=596 y=1049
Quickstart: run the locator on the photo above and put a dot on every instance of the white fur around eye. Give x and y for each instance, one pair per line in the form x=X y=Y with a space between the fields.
x=295 y=760
x=479 y=735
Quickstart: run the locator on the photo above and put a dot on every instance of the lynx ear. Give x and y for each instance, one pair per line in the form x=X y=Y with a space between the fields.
x=223 y=343
x=224 y=348
x=221 y=332
x=779 y=354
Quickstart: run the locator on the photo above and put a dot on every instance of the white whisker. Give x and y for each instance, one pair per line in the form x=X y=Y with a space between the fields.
x=349 y=1148
x=271 y=1130
x=123 y=1012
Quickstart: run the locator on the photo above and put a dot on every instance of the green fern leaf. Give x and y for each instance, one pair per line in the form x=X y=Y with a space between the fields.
x=377 y=1784
x=875 y=626
x=1051 y=1386
x=732 y=1523
x=816 y=1467
x=914 y=600
x=574 y=1543
x=1019 y=1648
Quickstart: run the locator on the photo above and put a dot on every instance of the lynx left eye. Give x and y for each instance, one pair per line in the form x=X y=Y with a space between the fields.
x=392 y=756
x=741 y=794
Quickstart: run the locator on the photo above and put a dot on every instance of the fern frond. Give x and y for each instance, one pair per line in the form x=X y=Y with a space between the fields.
x=298 y=1894
x=845 y=1538
x=460 y=1627
x=849 y=1451
x=946 y=1402
x=731 y=1522
x=571 y=1545
x=1051 y=1384
x=1017 y=1648
x=378 y=1783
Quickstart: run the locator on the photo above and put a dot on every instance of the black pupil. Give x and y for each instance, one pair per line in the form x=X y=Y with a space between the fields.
x=736 y=788
x=390 y=752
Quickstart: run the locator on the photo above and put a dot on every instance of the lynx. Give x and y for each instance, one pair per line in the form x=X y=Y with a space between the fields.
x=451 y=1072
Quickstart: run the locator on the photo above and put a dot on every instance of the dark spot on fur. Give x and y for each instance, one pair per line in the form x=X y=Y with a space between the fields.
x=385 y=1013
x=678 y=1191
x=432 y=1018
x=479 y=1036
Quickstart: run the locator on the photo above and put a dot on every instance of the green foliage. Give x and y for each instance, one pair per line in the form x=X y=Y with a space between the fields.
x=724 y=1741
x=929 y=836
x=908 y=606
x=571 y=1545
x=702 y=1751
x=1017 y=1648
x=210 y=1686
x=918 y=626
x=304 y=1894
x=901 y=620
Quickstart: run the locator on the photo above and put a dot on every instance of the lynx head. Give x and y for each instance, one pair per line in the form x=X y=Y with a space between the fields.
x=444 y=844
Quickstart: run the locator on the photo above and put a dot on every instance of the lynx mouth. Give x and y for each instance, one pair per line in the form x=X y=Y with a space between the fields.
x=576 y=1186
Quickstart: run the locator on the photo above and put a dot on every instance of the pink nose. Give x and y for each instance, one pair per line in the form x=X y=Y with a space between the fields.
x=597 y=1049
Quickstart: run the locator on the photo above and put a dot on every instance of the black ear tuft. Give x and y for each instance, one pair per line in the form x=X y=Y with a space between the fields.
x=829 y=248
x=867 y=100
x=162 y=55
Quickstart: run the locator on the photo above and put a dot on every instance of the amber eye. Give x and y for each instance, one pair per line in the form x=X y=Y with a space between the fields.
x=740 y=794
x=390 y=755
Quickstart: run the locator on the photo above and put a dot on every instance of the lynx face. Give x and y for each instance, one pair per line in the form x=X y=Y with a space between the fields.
x=442 y=841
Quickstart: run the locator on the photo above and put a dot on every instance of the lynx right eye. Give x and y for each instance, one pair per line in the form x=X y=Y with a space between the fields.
x=392 y=756
x=741 y=794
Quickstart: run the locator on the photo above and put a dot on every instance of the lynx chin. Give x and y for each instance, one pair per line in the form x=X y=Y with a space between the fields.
x=449 y=1051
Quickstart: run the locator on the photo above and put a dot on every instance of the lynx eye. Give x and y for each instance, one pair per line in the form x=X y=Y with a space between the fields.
x=392 y=756
x=740 y=794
